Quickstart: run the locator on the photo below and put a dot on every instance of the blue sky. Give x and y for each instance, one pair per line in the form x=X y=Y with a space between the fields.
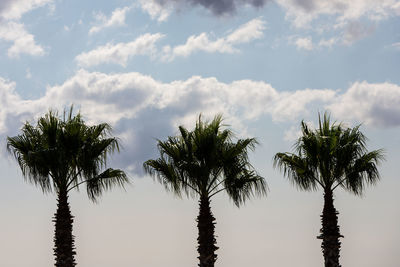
x=146 y=67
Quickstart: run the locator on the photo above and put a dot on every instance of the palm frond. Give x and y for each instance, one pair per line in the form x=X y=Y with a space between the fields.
x=206 y=161
x=363 y=172
x=331 y=156
x=62 y=153
x=297 y=170
x=105 y=181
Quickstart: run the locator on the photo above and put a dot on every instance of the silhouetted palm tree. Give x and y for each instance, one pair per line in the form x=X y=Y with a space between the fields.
x=330 y=157
x=201 y=163
x=59 y=155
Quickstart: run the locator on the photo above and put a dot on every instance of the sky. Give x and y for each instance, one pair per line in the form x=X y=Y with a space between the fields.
x=148 y=66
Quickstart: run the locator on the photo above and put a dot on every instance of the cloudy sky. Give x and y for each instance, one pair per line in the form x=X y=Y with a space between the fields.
x=147 y=66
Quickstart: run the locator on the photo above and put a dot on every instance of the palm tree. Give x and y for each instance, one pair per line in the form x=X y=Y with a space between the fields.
x=59 y=155
x=202 y=163
x=330 y=157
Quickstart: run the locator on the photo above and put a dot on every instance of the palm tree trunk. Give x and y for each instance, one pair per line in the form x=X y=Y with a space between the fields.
x=63 y=238
x=330 y=232
x=206 y=239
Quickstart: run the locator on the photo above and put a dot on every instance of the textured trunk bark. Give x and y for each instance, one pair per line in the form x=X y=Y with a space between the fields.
x=330 y=232
x=64 y=249
x=206 y=239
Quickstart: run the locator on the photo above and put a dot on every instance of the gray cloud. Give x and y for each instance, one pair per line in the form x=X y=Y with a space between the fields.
x=14 y=9
x=217 y=7
x=355 y=31
x=306 y=5
x=4 y=5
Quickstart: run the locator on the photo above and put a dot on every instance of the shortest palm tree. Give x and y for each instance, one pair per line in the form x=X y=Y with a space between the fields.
x=330 y=157
x=59 y=155
x=202 y=163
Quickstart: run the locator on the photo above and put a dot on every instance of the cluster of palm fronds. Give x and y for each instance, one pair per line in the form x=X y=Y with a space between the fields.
x=61 y=154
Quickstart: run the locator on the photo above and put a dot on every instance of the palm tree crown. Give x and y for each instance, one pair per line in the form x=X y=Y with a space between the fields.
x=61 y=154
x=205 y=161
x=329 y=157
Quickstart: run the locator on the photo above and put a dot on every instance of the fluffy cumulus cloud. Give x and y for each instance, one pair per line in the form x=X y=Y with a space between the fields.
x=120 y=53
x=245 y=33
x=216 y=7
x=11 y=30
x=117 y=18
x=141 y=108
x=374 y=104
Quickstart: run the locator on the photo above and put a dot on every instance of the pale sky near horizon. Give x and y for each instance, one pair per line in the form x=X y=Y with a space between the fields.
x=147 y=66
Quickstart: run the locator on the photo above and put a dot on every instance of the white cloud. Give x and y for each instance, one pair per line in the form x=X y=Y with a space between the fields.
x=23 y=42
x=200 y=42
x=353 y=32
x=291 y=105
x=121 y=52
x=374 y=104
x=247 y=32
x=117 y=18
x=156 y=10
x=304 y=43
x=14 y=109
x=11 y=30
x=146 y=45
x=141 y=108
